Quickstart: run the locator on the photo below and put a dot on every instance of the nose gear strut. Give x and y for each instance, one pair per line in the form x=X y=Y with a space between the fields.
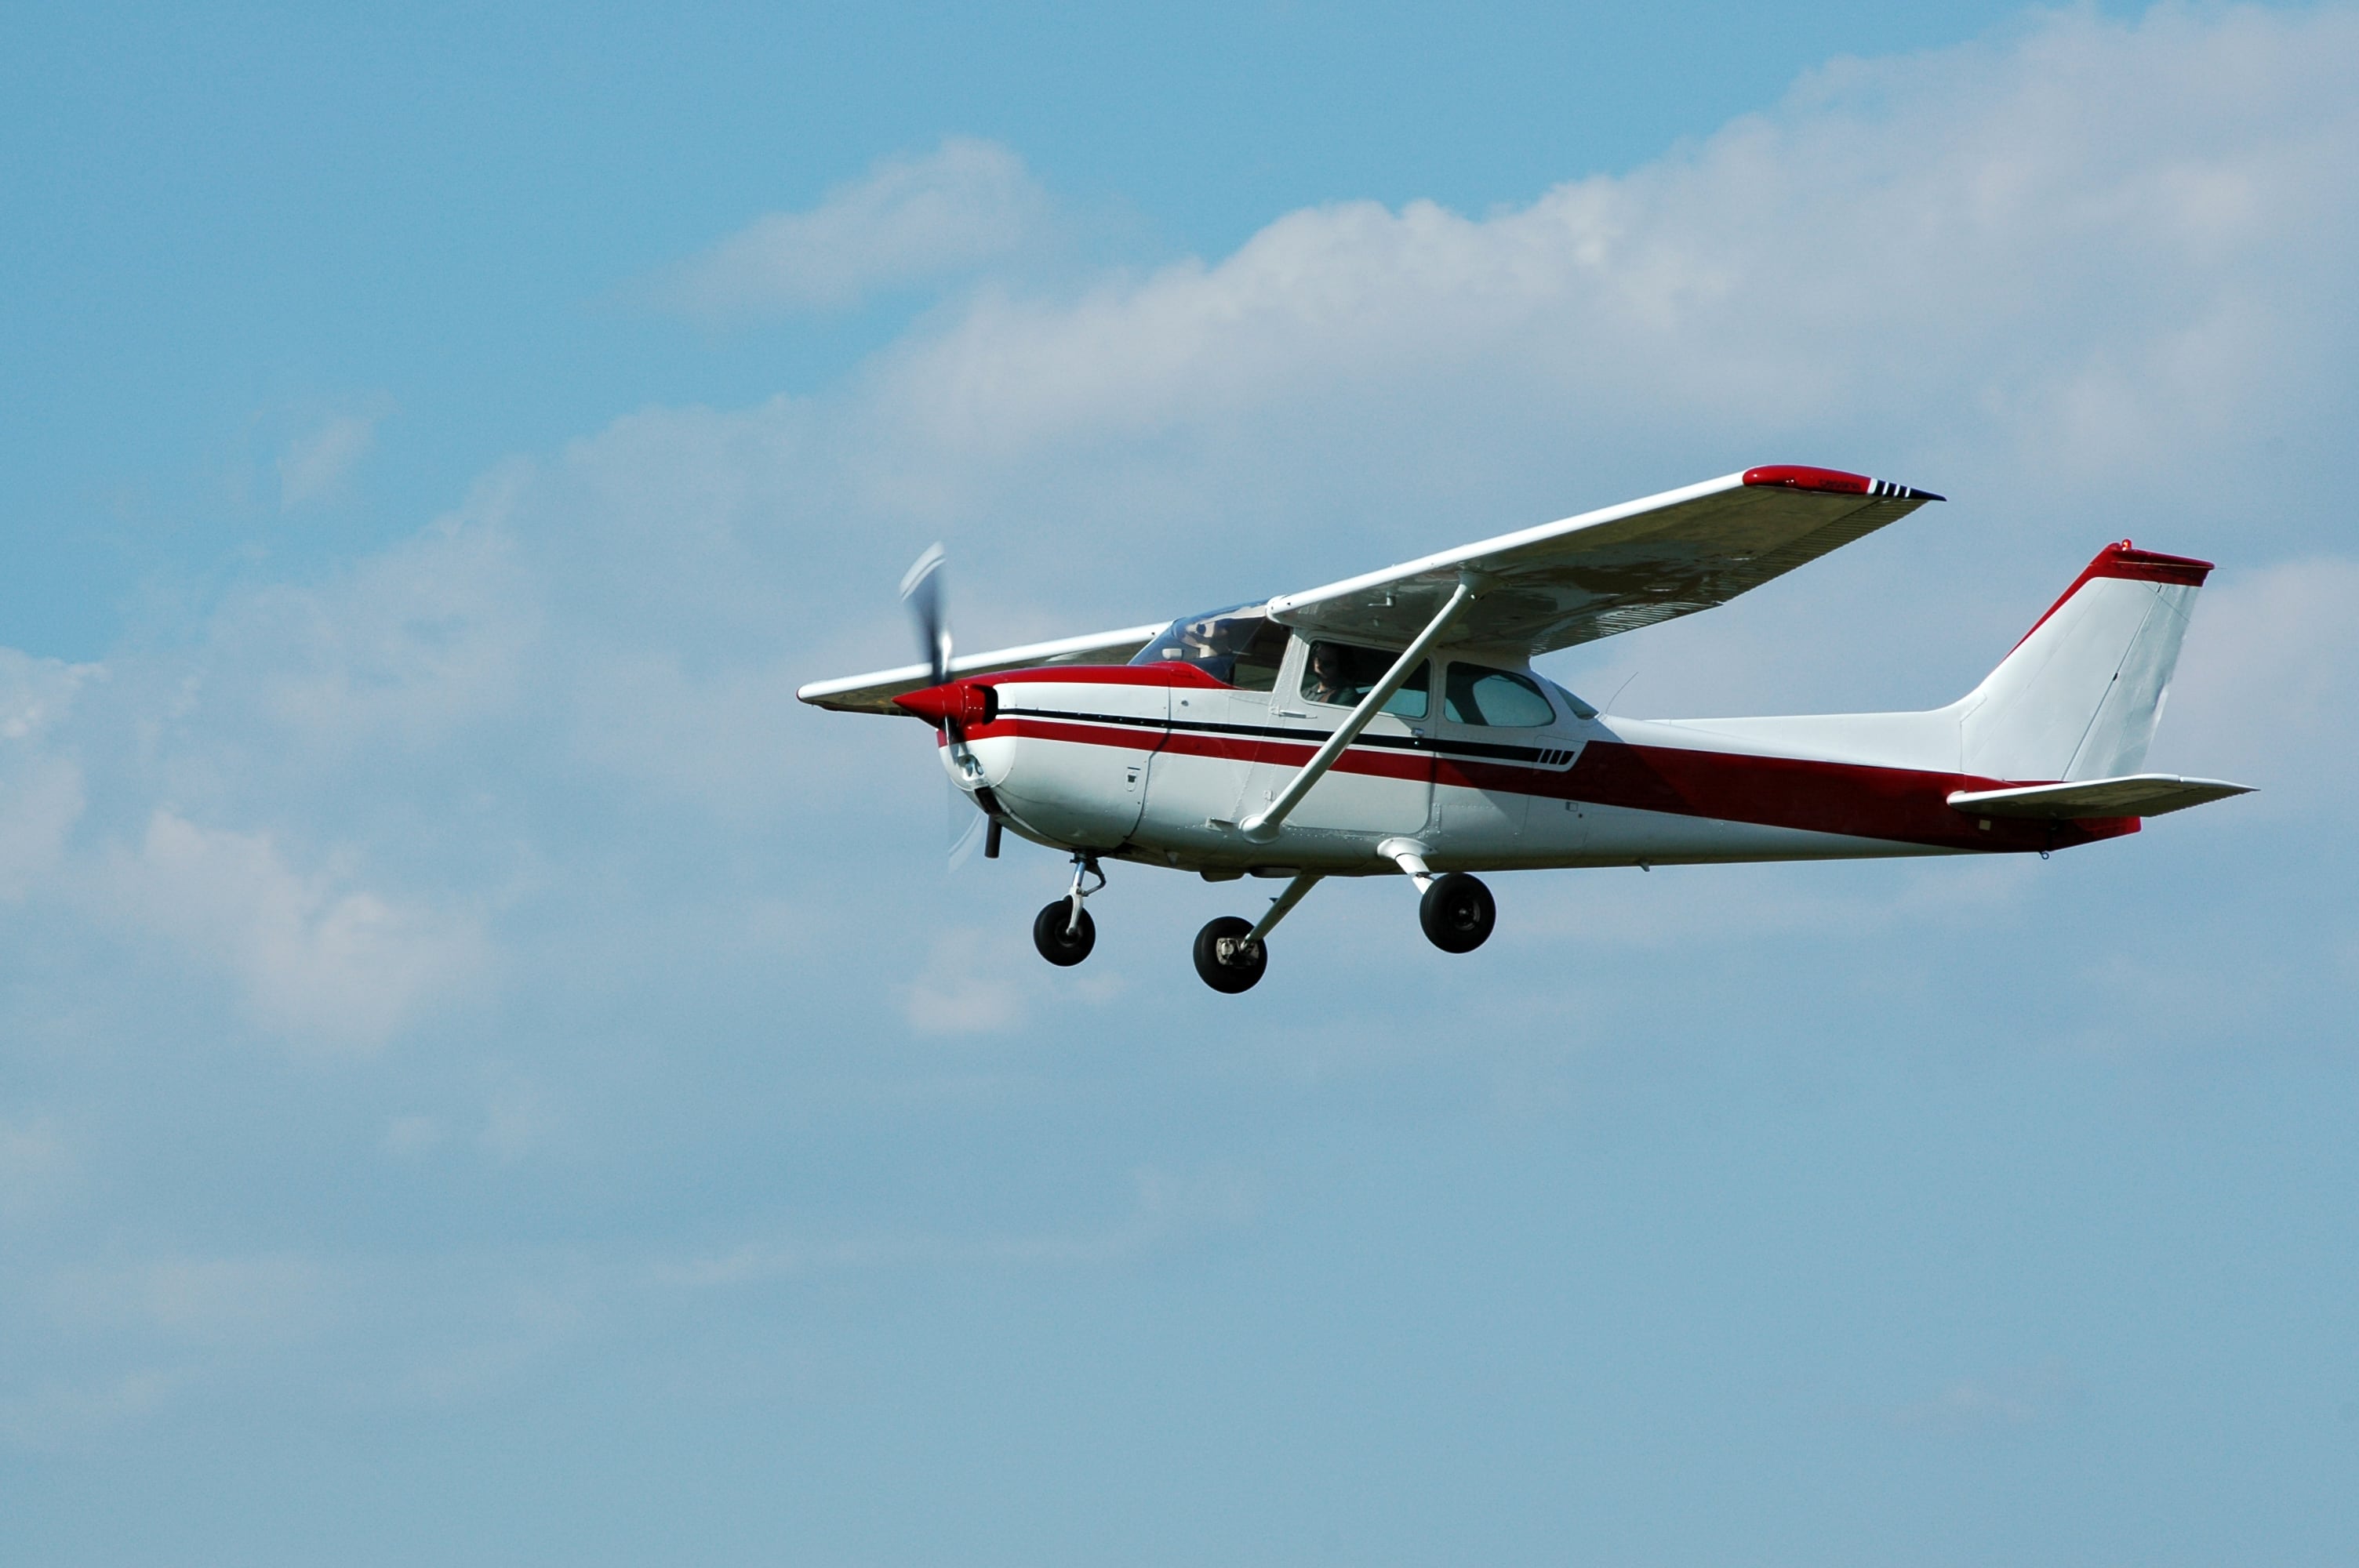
x=1063 y=930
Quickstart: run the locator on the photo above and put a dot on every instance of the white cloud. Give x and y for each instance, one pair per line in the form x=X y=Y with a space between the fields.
x=2089 y=254
x=714 y=738
x=2010 y=1402
x=42 y=795
x=210 y=1300
x=908 y=221
x=36 y=694
x=2269 y=681
x=2060 y=276
x=2081 y=274
x=1169 y=1209
x=1674 y=906
x=517 y=1121
x=314 y=958
x=2085 y=276
x=409 y=1136
x=35 y=1161
x=44 y=800
x=315 y=468
x=409 y=645
x=54 y=1414
x=966 y=988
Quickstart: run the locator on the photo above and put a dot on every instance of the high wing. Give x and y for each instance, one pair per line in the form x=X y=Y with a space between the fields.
x=1618 y=568
x=875 y=692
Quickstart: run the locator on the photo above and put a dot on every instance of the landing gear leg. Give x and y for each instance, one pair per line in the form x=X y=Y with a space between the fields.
x=1064 y=931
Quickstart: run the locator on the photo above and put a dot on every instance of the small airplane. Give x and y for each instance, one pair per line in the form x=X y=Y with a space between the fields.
x=1392 y=722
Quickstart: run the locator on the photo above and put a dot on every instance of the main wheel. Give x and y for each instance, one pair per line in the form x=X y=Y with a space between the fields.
x=1457 y=913
x=1060 y=946
x=1244 y=963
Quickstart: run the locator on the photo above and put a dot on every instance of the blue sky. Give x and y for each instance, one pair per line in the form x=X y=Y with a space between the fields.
x=485 y=1076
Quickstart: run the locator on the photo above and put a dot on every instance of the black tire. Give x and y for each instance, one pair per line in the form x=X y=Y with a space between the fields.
x=1457 y=913
x=1243 y=967
x=1059 y=946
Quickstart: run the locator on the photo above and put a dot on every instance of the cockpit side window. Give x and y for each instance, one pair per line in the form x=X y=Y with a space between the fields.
x=1339 y=675
x=1239 y=646
x=1475 y=695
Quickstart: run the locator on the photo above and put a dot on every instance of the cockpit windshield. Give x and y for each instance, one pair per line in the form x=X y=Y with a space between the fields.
x=1239 y=646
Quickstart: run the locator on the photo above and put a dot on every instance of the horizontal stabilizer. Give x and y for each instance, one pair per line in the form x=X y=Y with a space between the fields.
x=2136 y=794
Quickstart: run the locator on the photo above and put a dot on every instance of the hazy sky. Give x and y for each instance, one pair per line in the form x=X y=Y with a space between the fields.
x=487 y=1077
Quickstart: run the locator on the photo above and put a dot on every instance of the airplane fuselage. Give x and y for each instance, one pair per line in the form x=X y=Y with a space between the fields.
x=1159 y=764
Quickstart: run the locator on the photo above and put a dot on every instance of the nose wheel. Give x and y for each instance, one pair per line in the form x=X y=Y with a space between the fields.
x=1064 y=936
x=1064 y=931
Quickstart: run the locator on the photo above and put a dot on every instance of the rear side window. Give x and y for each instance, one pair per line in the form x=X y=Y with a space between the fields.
x=1498 y=697
x=1339 y=675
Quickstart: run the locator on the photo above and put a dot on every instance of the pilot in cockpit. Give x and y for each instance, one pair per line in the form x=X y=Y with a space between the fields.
x=1329 y=678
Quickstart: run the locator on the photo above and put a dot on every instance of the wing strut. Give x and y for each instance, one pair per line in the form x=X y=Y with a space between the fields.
x=1262 y=826
x=1282 y=904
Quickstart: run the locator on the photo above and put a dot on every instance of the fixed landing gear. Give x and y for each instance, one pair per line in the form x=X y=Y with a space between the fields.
x=1457 y=913
x=1231 y=954
x=1229 y=958
x=1063 y=934
x=1064 y=931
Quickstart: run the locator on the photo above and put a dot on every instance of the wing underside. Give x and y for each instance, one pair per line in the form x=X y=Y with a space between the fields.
x=875 y=692
x=1616 y=569
x=1552 y=587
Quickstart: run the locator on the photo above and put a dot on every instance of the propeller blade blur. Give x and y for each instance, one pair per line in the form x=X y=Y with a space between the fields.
x=963 y=848
x=921 y=590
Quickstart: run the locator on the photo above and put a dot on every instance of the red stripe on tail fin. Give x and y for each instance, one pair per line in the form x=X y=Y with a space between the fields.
x=2126 y=560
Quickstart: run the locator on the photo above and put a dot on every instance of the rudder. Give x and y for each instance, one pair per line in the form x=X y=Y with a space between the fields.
x=2079 y=696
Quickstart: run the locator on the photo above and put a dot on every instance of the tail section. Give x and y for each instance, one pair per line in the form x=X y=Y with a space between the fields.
x=2079 y=696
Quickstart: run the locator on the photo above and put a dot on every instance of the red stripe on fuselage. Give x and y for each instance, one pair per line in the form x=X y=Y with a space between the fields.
x=1374 y=761
x=1900 y=805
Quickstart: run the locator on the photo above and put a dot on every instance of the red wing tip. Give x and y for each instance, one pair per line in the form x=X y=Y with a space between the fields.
x=1832 y=481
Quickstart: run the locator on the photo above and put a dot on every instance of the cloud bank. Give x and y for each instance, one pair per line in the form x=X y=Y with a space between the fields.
x=317 y=466
x=910 y=220
x=2064 y=277
x=2089 y=279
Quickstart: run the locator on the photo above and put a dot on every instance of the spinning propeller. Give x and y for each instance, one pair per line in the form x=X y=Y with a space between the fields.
x=921 y=590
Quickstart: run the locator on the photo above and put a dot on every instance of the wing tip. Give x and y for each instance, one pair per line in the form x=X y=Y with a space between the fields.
x=1832 y=481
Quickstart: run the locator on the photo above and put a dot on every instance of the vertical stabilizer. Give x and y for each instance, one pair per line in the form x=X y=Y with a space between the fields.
x=2079 y=696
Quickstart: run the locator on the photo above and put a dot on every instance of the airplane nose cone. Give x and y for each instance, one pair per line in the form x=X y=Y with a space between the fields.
x=954 y=702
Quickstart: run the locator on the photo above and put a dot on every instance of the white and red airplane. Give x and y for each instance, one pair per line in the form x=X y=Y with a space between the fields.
x=1392 y=722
